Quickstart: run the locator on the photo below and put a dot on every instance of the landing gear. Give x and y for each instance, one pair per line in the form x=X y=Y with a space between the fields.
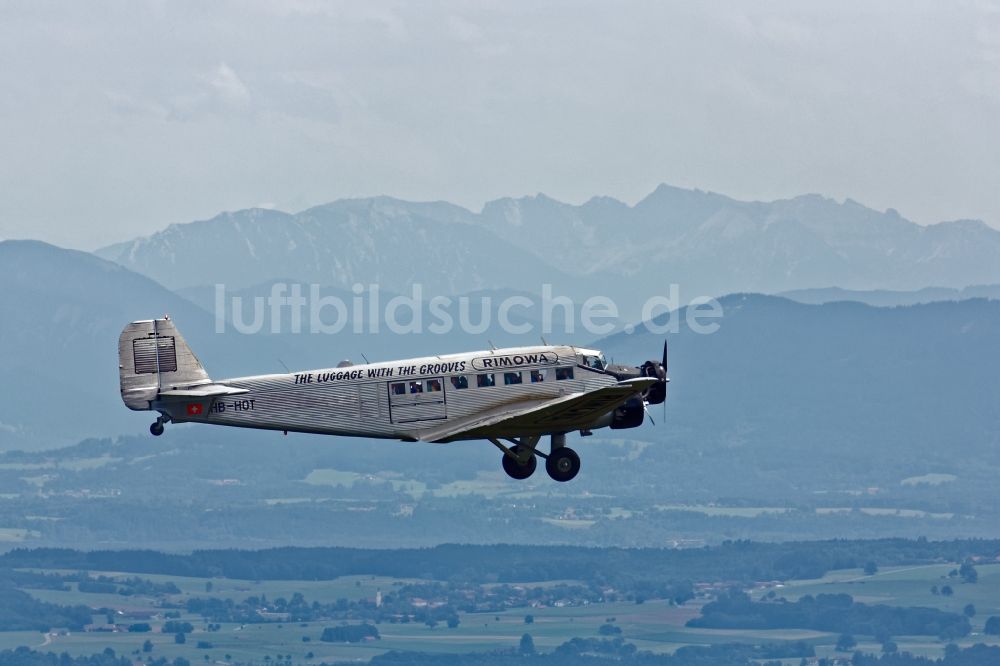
x=517 y=469
x=156 y=428
x=563 y=464
x=519 y=461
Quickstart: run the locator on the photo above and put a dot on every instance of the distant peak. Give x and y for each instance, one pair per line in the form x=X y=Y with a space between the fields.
x=672 y=192
x=603 y=200
x=664 y=188
x=969 y=224
x=814 y=197
x=30 y=243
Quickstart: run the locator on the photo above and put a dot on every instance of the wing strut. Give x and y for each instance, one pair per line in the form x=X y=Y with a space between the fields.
x=525 y=444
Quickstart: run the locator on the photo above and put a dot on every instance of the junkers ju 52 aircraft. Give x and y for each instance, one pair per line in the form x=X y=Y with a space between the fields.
x=510 y=397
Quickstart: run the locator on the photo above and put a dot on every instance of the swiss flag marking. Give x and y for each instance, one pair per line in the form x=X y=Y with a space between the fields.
x=194 y=409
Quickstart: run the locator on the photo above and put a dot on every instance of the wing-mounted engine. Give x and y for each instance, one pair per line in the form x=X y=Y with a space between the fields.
x=629 y=415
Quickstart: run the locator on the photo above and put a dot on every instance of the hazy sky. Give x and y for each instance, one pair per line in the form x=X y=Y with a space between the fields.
x=119 y=118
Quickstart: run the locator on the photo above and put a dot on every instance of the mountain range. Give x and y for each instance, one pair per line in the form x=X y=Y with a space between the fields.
x=890 y=298
x=706 y=243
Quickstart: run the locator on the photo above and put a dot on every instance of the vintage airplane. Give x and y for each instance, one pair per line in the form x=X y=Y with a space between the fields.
x=515 y=395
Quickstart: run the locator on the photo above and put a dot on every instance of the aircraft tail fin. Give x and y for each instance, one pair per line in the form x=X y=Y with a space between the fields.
x=153 y=357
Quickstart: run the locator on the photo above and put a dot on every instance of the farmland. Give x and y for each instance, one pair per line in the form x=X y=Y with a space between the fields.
x=651 y=625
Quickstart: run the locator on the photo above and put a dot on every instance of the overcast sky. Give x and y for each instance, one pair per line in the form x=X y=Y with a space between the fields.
x=117 y=119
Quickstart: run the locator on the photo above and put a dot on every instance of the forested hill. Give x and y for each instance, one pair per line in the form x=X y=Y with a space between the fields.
x=738 y=561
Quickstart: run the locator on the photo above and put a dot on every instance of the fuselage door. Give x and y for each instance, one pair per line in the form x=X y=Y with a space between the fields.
x=368 y=407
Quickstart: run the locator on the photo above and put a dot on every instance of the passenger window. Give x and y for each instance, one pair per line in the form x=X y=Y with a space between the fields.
x=416 y=387
x=485 y=380
x=537 y=376
x=460 y=382
x=399 y=388
x=511 y=378
x=564 y=373
x=433 y=385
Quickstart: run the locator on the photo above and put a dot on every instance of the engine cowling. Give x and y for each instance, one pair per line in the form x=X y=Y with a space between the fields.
x=656 y=393
x=629 y=415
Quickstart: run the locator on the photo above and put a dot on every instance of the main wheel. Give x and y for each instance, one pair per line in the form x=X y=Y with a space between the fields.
x=156 y=429
x=514 y=469
x=563 y=464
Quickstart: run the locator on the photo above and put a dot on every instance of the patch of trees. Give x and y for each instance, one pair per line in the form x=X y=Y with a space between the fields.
x=829 y=612
x=96 y=587
x=127 y=586
x=630 y=570
x=430 y=603
x=85 y=583
x=577 y=651
x=600 y=652
x=350 y=633
x=24 y=656
x=32 y=580
x=735 y=652
x=976 y=655
x=615 y=647
x=19 y=611
x=176 y=627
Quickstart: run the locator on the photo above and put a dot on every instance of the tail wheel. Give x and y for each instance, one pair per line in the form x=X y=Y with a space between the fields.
x=516 y=470
x=156 y=429
x=563 y=464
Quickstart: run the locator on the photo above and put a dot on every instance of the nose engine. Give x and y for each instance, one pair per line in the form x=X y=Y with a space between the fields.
x=657 y=393
x=632 y=413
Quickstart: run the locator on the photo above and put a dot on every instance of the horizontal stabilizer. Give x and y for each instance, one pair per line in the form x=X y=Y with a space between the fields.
x=204 y=391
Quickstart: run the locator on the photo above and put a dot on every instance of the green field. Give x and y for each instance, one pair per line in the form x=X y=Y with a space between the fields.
x=911 y=586
x=655 y=626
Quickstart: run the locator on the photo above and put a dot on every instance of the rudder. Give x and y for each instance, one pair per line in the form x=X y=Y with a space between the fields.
x=153 y=356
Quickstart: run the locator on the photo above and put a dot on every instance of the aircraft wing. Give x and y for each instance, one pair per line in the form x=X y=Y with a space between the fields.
x=572 y=412
x=203 y=391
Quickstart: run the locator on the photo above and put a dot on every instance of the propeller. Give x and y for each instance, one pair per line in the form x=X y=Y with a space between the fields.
x=665 y=377
x=657 y=393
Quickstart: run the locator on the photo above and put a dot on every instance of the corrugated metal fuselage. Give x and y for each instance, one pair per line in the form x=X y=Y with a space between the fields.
x=397 y=399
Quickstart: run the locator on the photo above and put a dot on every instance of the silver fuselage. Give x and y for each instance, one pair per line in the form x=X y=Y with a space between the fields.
x=398 y=399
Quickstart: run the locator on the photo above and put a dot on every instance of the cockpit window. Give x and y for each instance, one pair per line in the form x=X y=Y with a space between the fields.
x=595 y=362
